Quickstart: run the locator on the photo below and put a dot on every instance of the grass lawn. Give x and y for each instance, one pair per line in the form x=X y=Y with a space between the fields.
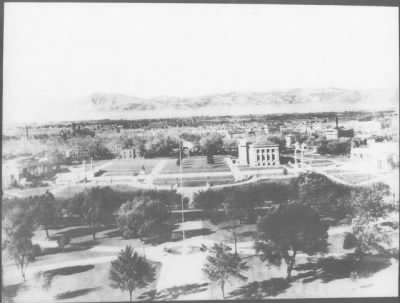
x=355 y=178
x=196 y=164
x=131 y=167
x=86 y=283
x=323 y=277
x=71 y=190
x=267 y=169
x=195 y=181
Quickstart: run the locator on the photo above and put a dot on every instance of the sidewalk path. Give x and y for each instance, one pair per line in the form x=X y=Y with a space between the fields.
x=158 y=168
x=237 y=174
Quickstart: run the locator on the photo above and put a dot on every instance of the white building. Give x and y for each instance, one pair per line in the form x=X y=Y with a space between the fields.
x=128 y=153
x=289 y=141
x=376 y=155
x=259 y=153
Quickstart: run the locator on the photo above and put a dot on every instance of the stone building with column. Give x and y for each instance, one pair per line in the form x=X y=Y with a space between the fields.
x=258 y=153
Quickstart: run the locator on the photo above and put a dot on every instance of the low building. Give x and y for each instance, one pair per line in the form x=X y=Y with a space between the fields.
x=259 y=153
x=14 y=171
x=339 y=132
x=116 y=148
x=128 y=153
x=77 y=154
x=236 y=134
x=376 y=155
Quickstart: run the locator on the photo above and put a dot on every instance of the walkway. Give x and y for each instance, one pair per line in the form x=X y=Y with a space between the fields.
x=237 y=174
x=158 y=168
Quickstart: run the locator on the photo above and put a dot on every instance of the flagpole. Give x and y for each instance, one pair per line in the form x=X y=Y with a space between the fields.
x=180 y=170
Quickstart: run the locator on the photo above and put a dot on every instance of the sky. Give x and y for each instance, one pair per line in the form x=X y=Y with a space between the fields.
x=55 y=53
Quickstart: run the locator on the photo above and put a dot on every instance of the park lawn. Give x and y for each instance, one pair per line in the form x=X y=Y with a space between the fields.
x=326 y=277
x=196 y=164
x=268 y=169
x=71 y=190
x=88 y=281
x=355 y=178
x=195 y=181
x=131 y=166
x=85 y=283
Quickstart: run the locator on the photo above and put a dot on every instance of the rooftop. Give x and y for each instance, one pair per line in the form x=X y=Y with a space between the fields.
x=264 y=142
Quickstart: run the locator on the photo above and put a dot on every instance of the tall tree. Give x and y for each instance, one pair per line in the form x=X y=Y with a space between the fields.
x=130 y=271
x=45 y=211
x=209 y=201
x=366 y=238
x=18 y=227
x=98 y=207
x=322 y=194
x=368 y=207
x=138 y=216
x=222 y=265
x=368 y=203
x=289 y=229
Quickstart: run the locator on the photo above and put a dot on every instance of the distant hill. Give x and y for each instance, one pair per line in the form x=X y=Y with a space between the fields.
x=113 y=106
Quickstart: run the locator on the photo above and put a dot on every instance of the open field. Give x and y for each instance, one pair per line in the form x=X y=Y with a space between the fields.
x=197 y=164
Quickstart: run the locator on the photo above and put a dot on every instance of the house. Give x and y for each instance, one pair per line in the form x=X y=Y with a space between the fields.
x=261 y=152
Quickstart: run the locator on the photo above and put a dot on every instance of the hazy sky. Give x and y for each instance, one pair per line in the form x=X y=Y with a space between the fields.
x=54 y=53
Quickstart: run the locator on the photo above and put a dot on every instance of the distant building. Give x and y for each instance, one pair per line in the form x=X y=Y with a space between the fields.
x=116 y=148
x=77 y=154
x=338 y=132
x=14 y=171
x=376 y=155
x=236 y=134
x=331 y=134
x=128 y=153
x=289 y=140
x=259 y=153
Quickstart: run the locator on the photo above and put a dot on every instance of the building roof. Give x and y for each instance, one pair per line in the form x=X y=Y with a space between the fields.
x=264 y=142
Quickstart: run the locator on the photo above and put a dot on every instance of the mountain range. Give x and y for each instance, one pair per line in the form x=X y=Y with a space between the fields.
x=117 y=106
